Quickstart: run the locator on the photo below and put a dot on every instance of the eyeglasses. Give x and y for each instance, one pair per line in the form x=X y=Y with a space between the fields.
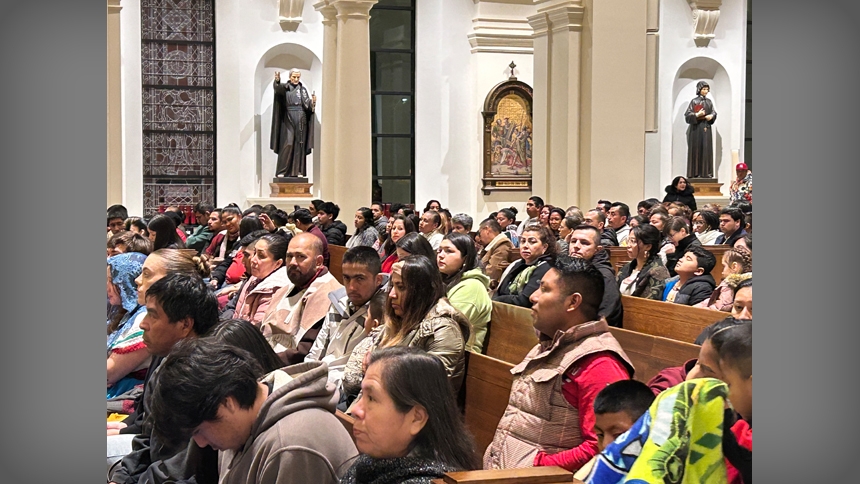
x=699 y=223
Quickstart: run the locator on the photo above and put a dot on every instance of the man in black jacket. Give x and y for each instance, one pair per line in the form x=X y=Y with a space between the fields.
x=178 y=306
x=585 y=244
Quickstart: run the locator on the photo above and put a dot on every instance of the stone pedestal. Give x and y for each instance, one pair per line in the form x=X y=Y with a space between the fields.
x=707 y=187
x=292 y=187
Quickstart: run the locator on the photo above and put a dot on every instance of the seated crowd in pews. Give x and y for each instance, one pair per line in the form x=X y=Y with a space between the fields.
x=259 y=346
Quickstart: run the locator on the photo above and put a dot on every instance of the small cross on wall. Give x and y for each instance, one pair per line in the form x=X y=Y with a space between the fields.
x=512 y=66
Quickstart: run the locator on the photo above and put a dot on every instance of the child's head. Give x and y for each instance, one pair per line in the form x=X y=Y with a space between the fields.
x=737 y=260
x=696 y=261
x=617 y=407
x=375 y=311
x=734 y=347
x=708 y=363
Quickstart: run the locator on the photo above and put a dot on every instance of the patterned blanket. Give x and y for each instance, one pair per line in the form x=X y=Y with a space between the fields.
x=678 y=441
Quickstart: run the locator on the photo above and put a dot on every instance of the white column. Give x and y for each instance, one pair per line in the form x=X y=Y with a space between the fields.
x=114 y=104
x=325 y=180
x=352 y=132
x=612 y=160
x=557 y=50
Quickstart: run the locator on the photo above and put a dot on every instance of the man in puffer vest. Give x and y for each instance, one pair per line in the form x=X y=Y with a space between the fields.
x=549 y=420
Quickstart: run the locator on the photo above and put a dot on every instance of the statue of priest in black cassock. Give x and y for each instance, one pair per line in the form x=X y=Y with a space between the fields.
x=292 y=135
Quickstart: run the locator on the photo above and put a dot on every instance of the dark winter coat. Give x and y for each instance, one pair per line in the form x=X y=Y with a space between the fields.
x=685 y=197
x=400 y=470
x=335 y=233
x=521 y=296
x=696 y=290
x=608 y=237
x=610 y=306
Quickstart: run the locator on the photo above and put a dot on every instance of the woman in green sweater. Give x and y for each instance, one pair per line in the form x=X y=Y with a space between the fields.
x=466 y=284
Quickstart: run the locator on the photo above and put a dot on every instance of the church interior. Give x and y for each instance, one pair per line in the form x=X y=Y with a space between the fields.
x=401 y=88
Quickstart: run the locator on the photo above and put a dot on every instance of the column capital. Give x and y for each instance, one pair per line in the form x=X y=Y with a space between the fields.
x=539 y=24
x=565 y=17
x=113 y=6
x=358 y=9
x=328 y=12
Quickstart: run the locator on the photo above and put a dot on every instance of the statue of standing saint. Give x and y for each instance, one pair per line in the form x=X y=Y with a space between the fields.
x=292 y=135
x=700 y=116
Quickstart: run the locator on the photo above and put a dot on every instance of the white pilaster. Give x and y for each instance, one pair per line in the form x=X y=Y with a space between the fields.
x=114 y=104
x=326 y=179
x=352 y=133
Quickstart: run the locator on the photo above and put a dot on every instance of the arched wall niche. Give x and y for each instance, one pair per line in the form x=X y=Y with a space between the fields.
x=281 y=58
x=683 y=90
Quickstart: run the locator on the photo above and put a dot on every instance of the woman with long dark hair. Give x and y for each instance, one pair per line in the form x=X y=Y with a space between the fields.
x=418 y=314
x=401 y=225
x=681 y=190
x=162 y=233
x=408 y=429
x=365 y=232
x=414 y=244
x=466 y=284
x=645 y=275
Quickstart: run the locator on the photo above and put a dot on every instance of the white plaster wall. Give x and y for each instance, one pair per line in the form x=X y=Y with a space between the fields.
x=132 y=126
x=451 y=84
x=250 y=47
x=677 y=47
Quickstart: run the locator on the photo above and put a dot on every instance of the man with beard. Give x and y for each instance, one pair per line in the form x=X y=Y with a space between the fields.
x=297 y=311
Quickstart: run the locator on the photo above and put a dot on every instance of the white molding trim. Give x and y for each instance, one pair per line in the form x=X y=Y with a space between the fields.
x=501 y=35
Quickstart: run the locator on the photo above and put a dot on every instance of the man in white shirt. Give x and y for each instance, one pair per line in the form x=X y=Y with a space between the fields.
x=343 y=327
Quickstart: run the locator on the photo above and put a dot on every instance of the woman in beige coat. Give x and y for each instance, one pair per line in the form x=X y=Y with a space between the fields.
x=417 y=314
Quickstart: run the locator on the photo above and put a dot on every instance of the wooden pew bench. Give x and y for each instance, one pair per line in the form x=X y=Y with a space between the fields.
x=531 y=475
x=335 y=265
x=673 y=321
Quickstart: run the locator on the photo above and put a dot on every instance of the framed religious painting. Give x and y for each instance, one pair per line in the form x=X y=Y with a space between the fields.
x=508 y=131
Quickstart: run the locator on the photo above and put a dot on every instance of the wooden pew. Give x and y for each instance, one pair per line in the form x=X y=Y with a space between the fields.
x=511 y=336
x=531 y=475
x=651 y=354
x=347 y=421
x=673 y=321
x=487 y=389
x=618 y=257
x=336 y=261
